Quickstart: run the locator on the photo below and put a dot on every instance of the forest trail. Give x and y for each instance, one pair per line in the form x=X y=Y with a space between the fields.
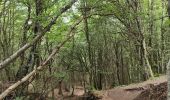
x=153 y=89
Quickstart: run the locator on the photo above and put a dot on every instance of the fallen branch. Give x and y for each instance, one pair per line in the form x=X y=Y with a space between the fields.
x=13 y=57
x=32 y=73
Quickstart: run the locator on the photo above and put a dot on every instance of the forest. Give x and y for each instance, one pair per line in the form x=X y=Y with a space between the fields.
x=84 y=49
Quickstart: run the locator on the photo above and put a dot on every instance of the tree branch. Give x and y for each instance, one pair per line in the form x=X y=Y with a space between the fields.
x=32 y=73
x=13 y=57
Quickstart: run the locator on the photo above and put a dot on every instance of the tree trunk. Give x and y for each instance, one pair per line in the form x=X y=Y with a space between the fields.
x=47 y=28
x=168 y=65
x=148 y=68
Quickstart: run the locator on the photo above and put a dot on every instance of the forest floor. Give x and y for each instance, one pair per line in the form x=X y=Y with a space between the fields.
x=153 y=89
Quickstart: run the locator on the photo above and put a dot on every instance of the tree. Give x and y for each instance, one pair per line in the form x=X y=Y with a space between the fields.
x=109 y=43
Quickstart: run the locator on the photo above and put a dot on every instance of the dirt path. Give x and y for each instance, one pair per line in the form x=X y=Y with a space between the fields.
x=133 y=91
x=153 y=89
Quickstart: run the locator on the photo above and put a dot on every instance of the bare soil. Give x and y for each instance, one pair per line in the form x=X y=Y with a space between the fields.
x=153 y=89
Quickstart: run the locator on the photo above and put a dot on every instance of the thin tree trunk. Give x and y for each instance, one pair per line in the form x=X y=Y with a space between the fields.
x=162 y=40
x=148 y=69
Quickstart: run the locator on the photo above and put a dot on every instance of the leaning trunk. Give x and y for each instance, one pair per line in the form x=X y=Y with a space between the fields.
x=147 y=70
